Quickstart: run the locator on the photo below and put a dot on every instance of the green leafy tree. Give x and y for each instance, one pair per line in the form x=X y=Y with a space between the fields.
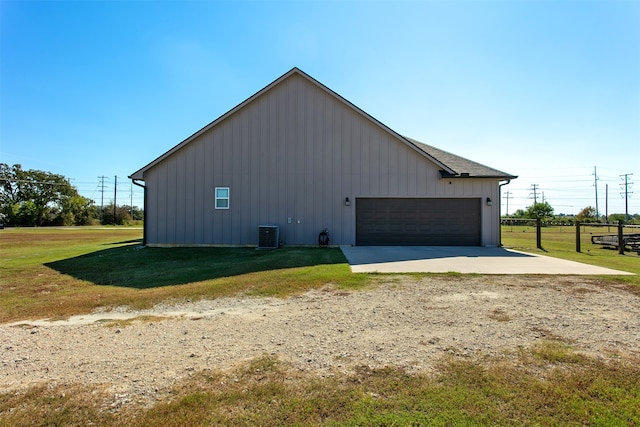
x=617 y=217
x=519 y=214
x=25 y=213
x=122 y=215
x=135 y=213
x=539 y=210
x=9 y=193
x=35 y=197
x=587 y=214
x=78 y=210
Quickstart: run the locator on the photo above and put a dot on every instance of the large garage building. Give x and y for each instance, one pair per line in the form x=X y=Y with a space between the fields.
x=296 y=158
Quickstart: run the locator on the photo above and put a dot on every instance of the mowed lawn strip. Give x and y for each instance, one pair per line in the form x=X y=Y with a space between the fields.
x=560 y=242
x=59 y=272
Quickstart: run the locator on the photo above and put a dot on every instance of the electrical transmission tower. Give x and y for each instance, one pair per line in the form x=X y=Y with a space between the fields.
x=115 y=195
x=626 y=193
x=507 y=196
x=534 y=190
x=595 y=184
x=102 y=187
x=606 y=203
x=131 y=202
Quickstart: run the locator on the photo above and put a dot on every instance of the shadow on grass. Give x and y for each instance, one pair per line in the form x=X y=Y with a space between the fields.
x=132 y=266
x=138 y=241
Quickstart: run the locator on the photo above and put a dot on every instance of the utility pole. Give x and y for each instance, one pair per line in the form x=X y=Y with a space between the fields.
x=131 y=204
x=626 y=193
x=507 y=196
x=535 y=188
x=101 y=178
x=595 y=184
x=115 y=194
x=606 y=203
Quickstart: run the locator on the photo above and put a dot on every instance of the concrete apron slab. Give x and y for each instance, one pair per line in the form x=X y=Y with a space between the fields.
x=462 y=259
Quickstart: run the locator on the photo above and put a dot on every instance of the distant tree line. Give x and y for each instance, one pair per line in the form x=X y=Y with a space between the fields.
x=38 y=198
x=545 y=212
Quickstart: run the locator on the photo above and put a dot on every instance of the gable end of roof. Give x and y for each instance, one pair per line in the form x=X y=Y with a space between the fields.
x=139 y=174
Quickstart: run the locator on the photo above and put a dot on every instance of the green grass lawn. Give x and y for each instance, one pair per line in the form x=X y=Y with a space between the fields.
x=60 y=272
x=560 y=242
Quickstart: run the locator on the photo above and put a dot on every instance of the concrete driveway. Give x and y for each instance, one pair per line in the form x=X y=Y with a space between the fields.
x=461 y=259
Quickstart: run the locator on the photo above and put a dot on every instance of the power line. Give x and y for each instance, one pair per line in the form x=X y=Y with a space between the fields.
x=626 y=193
x=101 y=178
x=28 y=181
x=115 y=194
x=131 y=202
x=507 y=196
x=595 y=184
x=534 y=188
x=606 y=203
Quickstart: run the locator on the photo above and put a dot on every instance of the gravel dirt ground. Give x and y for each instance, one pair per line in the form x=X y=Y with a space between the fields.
x=403 y=321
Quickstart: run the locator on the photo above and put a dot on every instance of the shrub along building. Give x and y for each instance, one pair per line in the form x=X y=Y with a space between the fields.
x=296 y=158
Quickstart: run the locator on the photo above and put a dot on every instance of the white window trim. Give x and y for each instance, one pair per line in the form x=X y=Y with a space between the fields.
x=222 y=198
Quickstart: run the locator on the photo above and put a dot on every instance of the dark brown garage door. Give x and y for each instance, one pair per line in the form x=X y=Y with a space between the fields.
x=417 y=222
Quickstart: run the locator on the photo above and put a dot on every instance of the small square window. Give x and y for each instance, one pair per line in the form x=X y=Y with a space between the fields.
x=222 y=197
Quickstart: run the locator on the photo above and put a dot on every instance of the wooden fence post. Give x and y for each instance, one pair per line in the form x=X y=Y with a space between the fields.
x=620 y=239
x=538 y=233
x=577 y=236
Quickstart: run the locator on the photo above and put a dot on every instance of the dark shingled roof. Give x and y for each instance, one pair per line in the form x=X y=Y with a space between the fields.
x=463 y=168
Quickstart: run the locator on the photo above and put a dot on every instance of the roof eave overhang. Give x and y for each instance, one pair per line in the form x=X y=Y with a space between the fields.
x=448 y=175
x=137 y=176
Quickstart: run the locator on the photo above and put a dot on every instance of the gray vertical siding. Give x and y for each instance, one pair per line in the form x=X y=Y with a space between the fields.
x=295 y=152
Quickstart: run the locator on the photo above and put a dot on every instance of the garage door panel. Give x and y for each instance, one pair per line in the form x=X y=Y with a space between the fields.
x=418 y=221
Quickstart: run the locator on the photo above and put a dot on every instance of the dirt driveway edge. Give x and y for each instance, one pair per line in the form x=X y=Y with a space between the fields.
x=404 y=321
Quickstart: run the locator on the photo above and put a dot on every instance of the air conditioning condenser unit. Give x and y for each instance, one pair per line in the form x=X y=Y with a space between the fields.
x=268 y=237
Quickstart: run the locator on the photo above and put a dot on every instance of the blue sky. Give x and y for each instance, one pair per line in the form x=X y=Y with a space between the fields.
x=546 y=90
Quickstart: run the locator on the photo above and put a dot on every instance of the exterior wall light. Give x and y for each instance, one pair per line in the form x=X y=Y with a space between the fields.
x=489 y=202
x=347 y=202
